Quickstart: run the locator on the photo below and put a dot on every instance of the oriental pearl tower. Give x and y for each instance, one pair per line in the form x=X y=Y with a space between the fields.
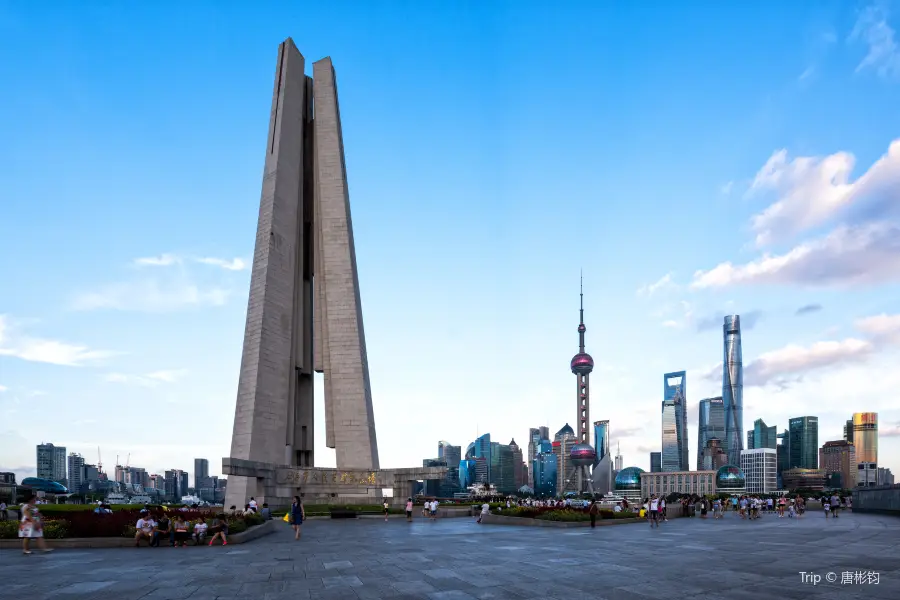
x=583 y=454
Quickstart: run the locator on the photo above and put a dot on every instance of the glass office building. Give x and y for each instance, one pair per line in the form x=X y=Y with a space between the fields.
x=733 y=388
x=865 y=442
x=655 y=462
x=466 y=473
x=601 y=439
x=803 y=447
x=545 y=474
x=674 y=422
x=762 y=436
x=710 y=424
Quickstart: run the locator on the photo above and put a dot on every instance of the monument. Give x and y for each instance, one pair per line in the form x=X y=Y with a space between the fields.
x=304 y=314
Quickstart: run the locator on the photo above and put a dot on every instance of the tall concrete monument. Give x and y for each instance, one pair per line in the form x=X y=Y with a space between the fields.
x=304 y=313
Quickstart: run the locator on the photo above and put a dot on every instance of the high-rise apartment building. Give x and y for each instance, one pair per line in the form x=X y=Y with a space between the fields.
x=76 y=472
x=760 y=467
x=710 y=424
x=865 y=440
x=201 y=473
x=838 y=460
x=674 y=422
x=762 y=436
x=885 y=477
x=51 y=463
x=733 y=388
x=713 y=456
x=655 y=462
x=804 y=443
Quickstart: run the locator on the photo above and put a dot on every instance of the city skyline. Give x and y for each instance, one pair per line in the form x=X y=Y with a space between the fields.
x=130 y=292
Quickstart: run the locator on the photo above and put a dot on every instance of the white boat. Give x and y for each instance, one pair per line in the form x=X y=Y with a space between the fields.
x=116 y=498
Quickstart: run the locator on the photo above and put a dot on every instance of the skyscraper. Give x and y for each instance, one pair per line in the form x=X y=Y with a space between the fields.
x=582 y=364
x=733 y=389
x=710 y=424
x=450 y=453
x=865 y=441
x=762 y=436
x=838 y=460
x=803 y=450
x=534 y=442
x=51 y=463
x=76 y=472
x=656 y=462
x=619 y=459
x=674 y=422
x=201 y=473
x=602 y=475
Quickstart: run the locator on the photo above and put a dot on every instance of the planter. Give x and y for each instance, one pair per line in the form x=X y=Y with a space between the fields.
x=252 y=533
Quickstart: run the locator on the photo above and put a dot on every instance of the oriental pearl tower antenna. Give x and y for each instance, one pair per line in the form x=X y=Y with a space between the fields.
x=583 y=454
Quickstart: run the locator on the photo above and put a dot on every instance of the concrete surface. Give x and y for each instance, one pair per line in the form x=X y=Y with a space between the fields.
x=456 y=559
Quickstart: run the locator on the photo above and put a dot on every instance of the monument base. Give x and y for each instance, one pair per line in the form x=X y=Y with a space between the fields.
x=276 y=485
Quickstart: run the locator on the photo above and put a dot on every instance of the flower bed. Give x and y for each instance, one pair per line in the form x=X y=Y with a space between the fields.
x=88 y=524
x=552 y=513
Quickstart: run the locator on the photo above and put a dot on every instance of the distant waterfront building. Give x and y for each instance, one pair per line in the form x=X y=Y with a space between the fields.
x=602 y=475
x=628 y=483
x=201 y=473
x=534 y=441
x=482 y=454
x=760 y=467
x=76 y=473
x=8 y=487
x=848 y=430
x=433 y=486
x=865 y=440
x=733 y=388
x=518 y=478
x=51 y=463
x=710 y=424
x=782 y=451
x=678 y=482
x=762 y=436
x=837 y=460
x=713 y=455
x=656 y=462
x=620 y=461
x=466 y=473
x=674 y=422
x=810 y=479
x=885 y=477
x=803 y=450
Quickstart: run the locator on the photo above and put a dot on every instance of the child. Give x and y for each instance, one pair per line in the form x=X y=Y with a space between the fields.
x=200 y=531
x=181 y=532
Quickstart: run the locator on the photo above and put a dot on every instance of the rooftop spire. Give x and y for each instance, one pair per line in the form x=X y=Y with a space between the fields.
x=581 y=327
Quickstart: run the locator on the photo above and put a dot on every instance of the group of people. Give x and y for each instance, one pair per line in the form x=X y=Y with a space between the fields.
x=178 y=530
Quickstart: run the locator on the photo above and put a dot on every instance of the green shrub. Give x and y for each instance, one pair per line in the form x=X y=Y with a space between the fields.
x=9 y=530
x=53 y=530
x=564 y=515
x=236 y=526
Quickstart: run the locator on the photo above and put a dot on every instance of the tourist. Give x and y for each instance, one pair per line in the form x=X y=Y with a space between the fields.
x=163 y=528
x=266 y=512
x=485 y=510
x=703 y=510
x=434 y=507
x=30 y=525
x=144 y=529
x=222 y=532
x=297 y=516
x=826 y=505
x=252 y=504
x=654 y=511
x=4 y=514
x=199 y=534
x=662 y=509
x=717 y=509
x=594 y=510
x=181 y=531
x=386 y=506
x=835 y=505
x=409 y=509
x=426 y=509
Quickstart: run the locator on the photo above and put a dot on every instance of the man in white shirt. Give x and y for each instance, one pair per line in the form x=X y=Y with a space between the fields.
x=144 y=529
x=662 y=509
x=253 y=504
x=485 y=510
x=434 y=507
x=654 y=511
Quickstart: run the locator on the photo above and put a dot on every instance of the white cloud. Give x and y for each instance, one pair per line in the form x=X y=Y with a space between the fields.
x=726 y=189
x=648 y=290
x=671 y=324
x=881 y=328
x=866 y=254
x=147 y=380
x=235 y=264
x=151 y=296
x=42 y=350
x=811 y=190
x=3 y=388
x=873 y=30
x=163 y=260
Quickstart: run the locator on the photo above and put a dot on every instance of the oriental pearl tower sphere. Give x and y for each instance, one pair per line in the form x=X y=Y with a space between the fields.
x=583 y=454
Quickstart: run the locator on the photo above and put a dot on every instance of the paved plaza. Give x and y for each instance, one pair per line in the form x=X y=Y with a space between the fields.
x=456 y=559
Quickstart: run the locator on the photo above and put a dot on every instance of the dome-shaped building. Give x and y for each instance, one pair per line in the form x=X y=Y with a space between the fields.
x=565 y=432
x=583 y=455
x=44 y=485
x=730 y=479
x=628 y=483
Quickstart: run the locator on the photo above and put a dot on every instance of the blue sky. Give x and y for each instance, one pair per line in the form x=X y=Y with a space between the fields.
x=691 y=161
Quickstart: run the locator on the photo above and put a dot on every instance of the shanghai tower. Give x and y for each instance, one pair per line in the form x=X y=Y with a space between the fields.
x=733 y=389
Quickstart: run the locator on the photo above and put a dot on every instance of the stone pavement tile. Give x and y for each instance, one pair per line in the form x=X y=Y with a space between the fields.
x=451 y=595
x=85 y=587
x=171 y=593
x=260 y=588
x=413 y=587
x=441 y=573
x=337 y=581
x=339 y=564
x=342 y=593
x=496 y=593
